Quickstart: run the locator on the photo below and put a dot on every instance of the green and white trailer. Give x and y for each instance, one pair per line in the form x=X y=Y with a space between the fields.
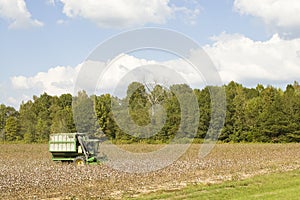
x=74 y=147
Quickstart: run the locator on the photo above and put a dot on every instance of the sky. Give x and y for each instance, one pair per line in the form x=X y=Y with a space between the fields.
x=43 y=44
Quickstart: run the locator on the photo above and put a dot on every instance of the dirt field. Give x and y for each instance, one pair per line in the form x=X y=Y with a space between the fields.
x=27 y=172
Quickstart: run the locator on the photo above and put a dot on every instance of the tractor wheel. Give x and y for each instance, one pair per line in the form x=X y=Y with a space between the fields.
x=79 y=161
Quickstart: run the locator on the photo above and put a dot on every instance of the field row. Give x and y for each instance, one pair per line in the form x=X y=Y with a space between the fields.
x=26 y=171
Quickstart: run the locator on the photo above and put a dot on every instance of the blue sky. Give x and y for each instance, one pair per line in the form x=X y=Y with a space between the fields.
x=250 y=41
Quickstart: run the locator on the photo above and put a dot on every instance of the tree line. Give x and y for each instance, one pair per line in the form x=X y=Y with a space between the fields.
x=154 y=114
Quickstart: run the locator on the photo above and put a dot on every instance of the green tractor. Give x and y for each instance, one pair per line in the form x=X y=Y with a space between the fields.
x=79 y=148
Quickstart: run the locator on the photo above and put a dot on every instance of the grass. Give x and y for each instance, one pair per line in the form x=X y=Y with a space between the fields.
x=272 y=186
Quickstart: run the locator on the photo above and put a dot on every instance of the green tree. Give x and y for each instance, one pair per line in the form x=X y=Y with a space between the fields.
x=253 y=110
x=62 y=121
x=41 y=108
x=62 y=114
x=12 y=129
x=292 y=110
x=188 y=116
x=138 y=104
x=28 y=120
x=105 y=118
x=5 y=113
x=238 y=116
x=204 y=102
x=41 y=130
x=84 y=113
x=172 y=122
x=272 y=120
x=231 y=92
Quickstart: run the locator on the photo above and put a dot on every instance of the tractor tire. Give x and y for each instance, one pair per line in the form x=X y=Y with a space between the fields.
x=79 y=161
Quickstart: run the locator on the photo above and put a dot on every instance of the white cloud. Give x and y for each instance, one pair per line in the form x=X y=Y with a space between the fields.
x=60 y=80
x=50 y=2
x=56 y=81
x=12 y=101
x=189 y=16
x=236 y=57
x=61 y=22
x=15 y=11
x=20 y=82
x=126 y=13
x=127 y=67
x=281 y=13
x=243 y=60
x=119 y=67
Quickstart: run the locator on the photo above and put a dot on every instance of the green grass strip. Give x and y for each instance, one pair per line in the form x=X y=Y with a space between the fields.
x=265 y=187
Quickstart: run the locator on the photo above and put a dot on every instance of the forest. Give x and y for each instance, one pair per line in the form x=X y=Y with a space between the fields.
x=261 y=114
